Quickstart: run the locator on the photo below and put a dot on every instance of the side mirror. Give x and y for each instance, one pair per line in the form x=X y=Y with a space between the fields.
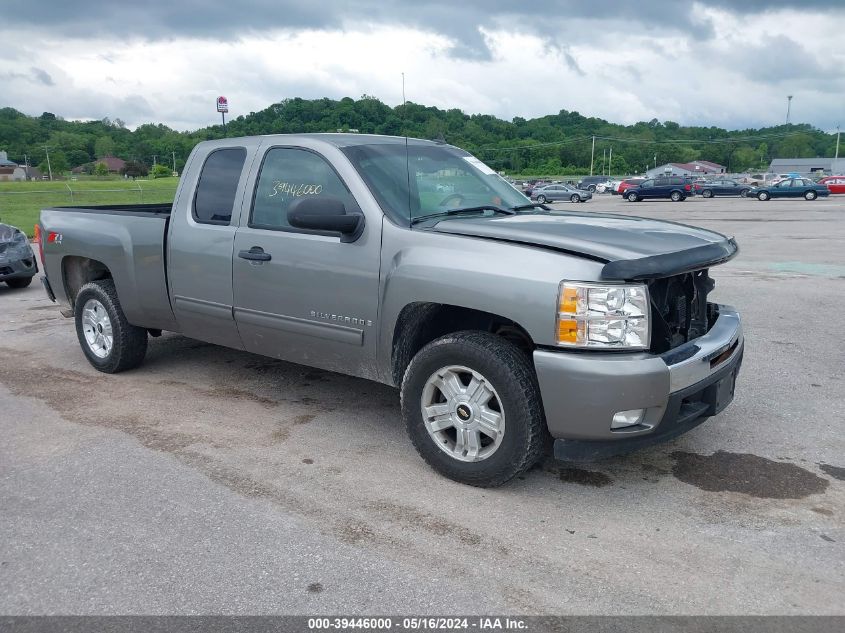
x=326 y=213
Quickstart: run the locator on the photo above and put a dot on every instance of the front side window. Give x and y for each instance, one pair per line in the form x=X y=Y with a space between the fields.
x=289 y=174
x=218 y=185
x=417 y=180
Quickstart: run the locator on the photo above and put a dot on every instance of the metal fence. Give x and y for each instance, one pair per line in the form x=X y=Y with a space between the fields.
x=71 y=193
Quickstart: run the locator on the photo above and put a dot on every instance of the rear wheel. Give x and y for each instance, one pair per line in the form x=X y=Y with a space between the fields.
x=810 y=195
x=575 y=198
x=707 y=193
x=763 y=195
x=676 y=196
x=591 y=188
x=110 y=343
x=472 y=408
x=632 y=197
x=20 y=282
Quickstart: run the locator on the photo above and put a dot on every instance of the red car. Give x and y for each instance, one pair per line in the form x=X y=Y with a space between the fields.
x=630 y=182
x=836 y=184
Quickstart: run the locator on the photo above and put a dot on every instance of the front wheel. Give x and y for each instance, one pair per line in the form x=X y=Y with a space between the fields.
x=743 y=193
x=20 y=282
x=541 y=199
x=810 y=195
x=632 y=197
x=472 y=408
x=707 y=193
x=574 y=198
x=763 y=196
x=110 y=343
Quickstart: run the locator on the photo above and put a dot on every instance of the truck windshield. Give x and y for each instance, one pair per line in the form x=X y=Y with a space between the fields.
x=430 y=180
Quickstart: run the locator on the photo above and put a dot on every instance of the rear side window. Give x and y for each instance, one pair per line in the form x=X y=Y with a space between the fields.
x=218 y=184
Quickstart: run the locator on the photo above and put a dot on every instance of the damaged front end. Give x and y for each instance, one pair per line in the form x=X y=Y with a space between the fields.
x=18 y=264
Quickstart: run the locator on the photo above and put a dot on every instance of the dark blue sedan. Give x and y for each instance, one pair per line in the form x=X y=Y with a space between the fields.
x=790 y=188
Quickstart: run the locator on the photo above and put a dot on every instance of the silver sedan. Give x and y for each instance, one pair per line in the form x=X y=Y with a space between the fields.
x=553 y=193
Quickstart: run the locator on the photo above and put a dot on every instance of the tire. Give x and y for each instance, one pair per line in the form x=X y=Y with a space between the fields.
x=632 y=197
x=494 y=365
x=707 y=193
x=810 y=195
x=763 y=195
x=97 y=310
x=676 y=196
x=20 y=282
x=541 y=199
x=591 y=188
x=575 y=198
x=743 y=193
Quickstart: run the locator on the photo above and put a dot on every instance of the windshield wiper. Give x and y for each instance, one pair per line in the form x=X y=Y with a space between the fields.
x=443 y=214
x=531 y=205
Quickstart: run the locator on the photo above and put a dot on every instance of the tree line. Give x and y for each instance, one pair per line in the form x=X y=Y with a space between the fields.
x=553 y=144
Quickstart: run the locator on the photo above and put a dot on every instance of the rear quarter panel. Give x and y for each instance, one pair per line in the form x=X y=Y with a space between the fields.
x=132 y=248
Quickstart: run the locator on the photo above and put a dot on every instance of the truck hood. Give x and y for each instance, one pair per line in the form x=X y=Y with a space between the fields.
x=631 y=247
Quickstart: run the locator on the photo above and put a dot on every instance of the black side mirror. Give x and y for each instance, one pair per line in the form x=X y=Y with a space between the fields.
x=326 y=213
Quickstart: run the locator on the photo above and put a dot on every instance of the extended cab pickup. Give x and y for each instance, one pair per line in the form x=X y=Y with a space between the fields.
x=412 y=263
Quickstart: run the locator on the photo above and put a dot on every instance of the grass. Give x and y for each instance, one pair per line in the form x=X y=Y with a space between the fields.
x=21 y=202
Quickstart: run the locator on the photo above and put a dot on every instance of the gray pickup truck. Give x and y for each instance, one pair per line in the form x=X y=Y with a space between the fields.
x=412 y=263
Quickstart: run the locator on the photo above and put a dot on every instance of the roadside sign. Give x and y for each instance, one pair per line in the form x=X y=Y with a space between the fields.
x=222 y=104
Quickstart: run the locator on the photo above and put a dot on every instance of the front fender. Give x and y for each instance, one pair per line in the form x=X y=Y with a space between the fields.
x=517 y=282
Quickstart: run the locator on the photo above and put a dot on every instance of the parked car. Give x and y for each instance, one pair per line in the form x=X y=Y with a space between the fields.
x=17 y=261
x=606 y=186
x=589 y=183
x=790 y=188
x=709 y=189
x=628 y=182
x=675 y=188
x=318 y=249
x=554 y=193
x=835 y=184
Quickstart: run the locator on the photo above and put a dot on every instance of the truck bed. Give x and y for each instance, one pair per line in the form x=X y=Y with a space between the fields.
x=128 y=241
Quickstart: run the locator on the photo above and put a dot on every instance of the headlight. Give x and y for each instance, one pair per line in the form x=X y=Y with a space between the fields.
x=603 y=316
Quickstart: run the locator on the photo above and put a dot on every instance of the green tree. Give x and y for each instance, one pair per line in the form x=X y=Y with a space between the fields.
x=160 y=171
x=104 y=146
x=100 y=170
x=134 y=169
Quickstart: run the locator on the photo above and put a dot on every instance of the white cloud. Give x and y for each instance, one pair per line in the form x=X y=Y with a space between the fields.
x=599 y=68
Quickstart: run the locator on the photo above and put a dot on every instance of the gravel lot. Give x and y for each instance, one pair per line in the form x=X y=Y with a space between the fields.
x=216 y=481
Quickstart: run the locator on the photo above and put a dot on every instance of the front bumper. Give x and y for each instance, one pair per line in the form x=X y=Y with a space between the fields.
x=14 y=265
x=678 y=390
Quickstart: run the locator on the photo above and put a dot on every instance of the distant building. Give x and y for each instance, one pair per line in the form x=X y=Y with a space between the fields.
x=695 y=168
x=5 y=162
x=807 y=166
x=113 y=163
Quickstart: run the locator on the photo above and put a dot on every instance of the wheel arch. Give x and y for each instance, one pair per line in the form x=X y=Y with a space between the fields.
x=419 y=323
x=78 y=271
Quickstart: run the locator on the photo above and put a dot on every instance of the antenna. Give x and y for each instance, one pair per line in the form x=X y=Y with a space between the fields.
x=407 y=151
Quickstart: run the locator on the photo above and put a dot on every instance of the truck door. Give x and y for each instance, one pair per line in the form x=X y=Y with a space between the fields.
x=305 y=296
x=202 y=233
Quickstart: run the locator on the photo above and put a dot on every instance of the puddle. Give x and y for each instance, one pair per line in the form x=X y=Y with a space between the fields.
x=584 y=477
x=746 y=473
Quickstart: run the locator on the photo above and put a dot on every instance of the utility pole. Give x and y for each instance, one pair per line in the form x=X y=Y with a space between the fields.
x=603 y=161
x=49 y=169
x=154 y=159
x=610 y=161
x=174 y=162
x=592 y=154
x=788 y=107
x=655 y=161
x=835 y=158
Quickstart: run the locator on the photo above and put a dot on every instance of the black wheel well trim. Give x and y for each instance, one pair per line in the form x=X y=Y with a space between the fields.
x=419 y=323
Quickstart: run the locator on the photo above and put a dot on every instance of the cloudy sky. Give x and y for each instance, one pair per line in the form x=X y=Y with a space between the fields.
x=167 y=60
